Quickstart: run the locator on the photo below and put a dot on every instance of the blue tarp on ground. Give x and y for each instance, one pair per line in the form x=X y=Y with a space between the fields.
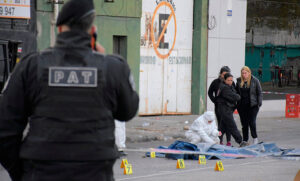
x=215 y=151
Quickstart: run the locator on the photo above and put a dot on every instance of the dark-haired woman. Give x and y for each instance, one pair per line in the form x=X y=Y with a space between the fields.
x=212 y=94
x=227 y=99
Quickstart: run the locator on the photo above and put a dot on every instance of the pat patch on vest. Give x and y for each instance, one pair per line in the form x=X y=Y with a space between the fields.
x=72 y=77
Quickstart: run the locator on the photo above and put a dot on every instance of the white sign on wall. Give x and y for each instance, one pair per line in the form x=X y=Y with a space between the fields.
x=166 y=57
x=19 y=9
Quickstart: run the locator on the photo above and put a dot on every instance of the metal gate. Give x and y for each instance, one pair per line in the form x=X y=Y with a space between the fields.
x=166 y=57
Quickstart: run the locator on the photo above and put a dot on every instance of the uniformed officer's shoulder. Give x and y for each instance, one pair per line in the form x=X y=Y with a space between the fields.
x=116 y=58
x=29 y=57
x=98 y=54
x=48 y=51
x=46 y=55
x=26 y=62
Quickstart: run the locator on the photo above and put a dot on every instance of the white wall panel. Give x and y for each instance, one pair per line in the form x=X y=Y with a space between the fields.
x=214 y=61
x=233 y=27
x=151 y=79
x=165 y=81
x=184 y=42
x=184 y=79
x=214 y=19
x=170 y=86
x=233 y=54
x=226 y=38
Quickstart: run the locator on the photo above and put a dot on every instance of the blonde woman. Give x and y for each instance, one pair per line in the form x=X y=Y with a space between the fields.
x=249 y=88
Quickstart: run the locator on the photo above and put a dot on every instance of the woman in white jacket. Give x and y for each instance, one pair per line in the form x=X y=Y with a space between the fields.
x=204 y=129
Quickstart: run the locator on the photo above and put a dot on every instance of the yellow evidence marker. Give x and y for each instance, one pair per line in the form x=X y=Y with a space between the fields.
x=152 y=155
x=180 y=164
x=128 y=169
x=202 y=160
x=124 y=162
x=219 y=166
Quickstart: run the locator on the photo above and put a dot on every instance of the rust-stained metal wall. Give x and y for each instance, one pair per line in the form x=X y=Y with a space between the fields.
x=166 y=57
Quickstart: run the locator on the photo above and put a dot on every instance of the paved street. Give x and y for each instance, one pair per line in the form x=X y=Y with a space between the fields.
x=147 y=132
x=148 y=169
x=284 y=132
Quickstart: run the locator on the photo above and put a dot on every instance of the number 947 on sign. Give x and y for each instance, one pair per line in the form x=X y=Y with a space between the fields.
x=7 y=11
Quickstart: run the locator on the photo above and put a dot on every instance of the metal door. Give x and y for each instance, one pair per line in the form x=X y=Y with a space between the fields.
x=166 y=57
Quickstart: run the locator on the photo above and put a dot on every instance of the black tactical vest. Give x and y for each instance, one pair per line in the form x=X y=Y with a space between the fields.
x=70 y=120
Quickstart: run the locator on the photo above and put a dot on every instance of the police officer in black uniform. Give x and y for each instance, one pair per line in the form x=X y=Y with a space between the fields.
x=69 y=95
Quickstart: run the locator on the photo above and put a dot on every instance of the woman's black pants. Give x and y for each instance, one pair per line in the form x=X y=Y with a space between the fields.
x=227 y=123
x=248 y=119
x=218 y=115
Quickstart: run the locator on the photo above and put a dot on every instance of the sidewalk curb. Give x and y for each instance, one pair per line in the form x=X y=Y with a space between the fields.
x=153 y=137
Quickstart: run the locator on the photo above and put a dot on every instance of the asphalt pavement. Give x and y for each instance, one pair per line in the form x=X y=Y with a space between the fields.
x=150 y=132
x=153 y=131
x=161 y=169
